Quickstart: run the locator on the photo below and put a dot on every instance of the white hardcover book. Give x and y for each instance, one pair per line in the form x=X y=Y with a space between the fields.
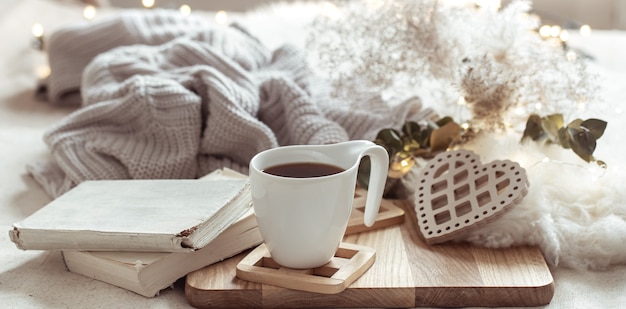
x=147 y=273
x=136 y=215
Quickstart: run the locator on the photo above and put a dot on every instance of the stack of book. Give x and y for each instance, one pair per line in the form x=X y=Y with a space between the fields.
x=143 y=235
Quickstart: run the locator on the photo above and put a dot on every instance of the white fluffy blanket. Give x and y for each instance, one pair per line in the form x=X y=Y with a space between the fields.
x=574 y=211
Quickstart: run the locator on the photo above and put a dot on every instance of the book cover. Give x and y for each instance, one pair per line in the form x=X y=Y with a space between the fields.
x=147 y=273
x=136 y=215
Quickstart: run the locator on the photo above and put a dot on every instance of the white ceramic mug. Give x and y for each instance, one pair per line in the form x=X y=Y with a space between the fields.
x=303 y=220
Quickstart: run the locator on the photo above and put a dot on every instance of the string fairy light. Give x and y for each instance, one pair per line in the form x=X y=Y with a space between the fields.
x=42 y=71
x=564 y=35
x=597 y=170
x=185 y=9
x=585 y=30
x=555 y=31
x=147 y=3
x=37 y=30
x=221 y=17
x=38 y=33
x=545 y=30
x=89 y=12
x=461 y=101
x=571 y=56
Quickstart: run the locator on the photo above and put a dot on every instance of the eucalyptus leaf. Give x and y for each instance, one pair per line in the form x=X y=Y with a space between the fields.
x=596 y=126
x=443 y=137
x=575 y=123
x=412 y=130
x=424 y=138
x=391 y=140
x=564 y=138
x=444 y=121
x=533 y=128
x=400 y=165
x=580 y=136
x=583 y=143
x=551 y=125
x=410 y=146
x=557 y=119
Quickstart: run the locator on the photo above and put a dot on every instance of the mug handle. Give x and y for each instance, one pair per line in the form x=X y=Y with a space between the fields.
x=378 y=176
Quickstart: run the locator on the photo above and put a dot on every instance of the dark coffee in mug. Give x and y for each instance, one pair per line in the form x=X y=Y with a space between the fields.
x=303 y=170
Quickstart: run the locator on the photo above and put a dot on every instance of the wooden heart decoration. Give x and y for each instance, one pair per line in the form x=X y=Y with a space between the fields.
x=456 y=193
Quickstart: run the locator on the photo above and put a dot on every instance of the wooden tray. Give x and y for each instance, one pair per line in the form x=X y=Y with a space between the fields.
x=407 y=273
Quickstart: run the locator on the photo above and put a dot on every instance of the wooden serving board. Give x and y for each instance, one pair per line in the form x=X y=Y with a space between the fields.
x=407 y=273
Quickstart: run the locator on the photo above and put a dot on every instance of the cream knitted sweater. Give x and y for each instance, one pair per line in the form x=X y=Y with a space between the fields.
x=168 y=96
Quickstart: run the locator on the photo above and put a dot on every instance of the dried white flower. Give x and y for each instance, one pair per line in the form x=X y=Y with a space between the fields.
x=494 y=58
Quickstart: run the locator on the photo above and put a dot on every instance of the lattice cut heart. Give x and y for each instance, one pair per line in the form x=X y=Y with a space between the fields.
x=456 y=193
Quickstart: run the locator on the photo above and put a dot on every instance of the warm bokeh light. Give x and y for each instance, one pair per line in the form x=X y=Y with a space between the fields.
x=461 y=101
x=571 y=56
x=585 y=30
x=147 y=3
x=221 y=17
x=555 y=31
x=544 y=31
x=564 y=36
x=42 y=71
x=37 y=30
x=185 y=9
x=89 y=12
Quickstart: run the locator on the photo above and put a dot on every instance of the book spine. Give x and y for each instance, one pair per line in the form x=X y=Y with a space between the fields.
x=27 y=239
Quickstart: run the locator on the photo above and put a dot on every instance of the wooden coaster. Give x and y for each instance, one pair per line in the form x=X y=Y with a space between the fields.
x=348 y=264
x=389 y=214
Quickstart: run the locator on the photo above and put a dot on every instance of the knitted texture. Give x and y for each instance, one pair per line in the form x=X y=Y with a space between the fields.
x=168 y=97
